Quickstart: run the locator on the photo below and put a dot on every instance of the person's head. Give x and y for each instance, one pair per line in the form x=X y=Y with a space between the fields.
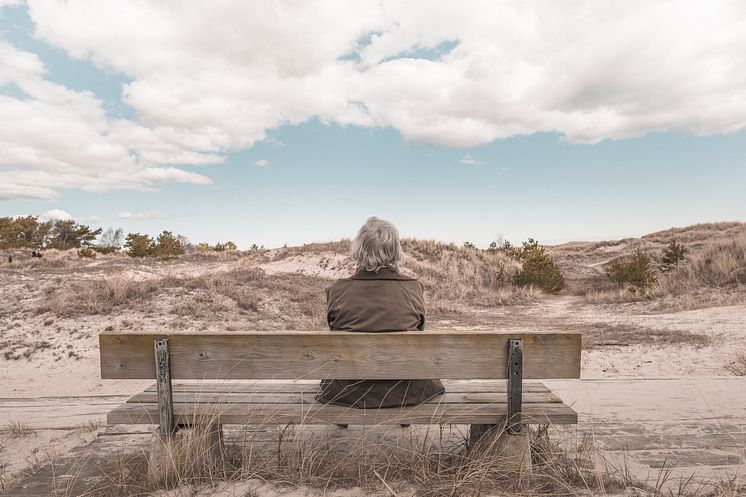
x=377 y=245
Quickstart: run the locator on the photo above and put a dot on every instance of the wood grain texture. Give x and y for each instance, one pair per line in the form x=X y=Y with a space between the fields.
x=164 y=395
x=326 y=354
x=193 y=398
x=273 y=414
x=515 y=385
x=262 y=386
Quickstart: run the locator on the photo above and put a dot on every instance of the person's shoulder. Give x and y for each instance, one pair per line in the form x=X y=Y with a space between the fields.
x=338 y=285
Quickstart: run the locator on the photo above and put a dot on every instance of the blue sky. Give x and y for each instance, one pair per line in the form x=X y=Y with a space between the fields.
x=326 y=167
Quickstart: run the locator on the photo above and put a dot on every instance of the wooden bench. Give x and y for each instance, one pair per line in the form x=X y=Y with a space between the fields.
x=195 y=360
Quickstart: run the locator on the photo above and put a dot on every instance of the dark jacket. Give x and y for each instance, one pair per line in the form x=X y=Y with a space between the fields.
x=375 y=302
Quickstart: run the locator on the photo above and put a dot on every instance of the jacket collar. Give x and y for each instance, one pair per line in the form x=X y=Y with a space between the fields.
x=382 y=274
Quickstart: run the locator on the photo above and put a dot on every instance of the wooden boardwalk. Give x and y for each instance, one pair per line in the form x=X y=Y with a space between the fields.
x=650 y=426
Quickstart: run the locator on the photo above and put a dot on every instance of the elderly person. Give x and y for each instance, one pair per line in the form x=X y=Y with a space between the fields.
x=377 y=298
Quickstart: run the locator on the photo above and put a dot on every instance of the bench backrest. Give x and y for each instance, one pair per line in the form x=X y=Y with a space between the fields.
x=283 y=355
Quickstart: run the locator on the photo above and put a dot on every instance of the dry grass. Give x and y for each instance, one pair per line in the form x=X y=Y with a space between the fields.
x=248 y=295
x=714 y=273
x=18 y=429
x=96 y=296
x=737 y=366
x=454 y=274
x=386 y=461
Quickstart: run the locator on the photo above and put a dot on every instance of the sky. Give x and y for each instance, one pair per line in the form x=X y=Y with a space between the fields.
x=291 y=122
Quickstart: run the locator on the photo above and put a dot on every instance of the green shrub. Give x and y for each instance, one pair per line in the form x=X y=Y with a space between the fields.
x=673 y=254
x=168 y=245
x=105 y=249
x=541 y=271
x=138 y=245
x=86 y=252
x=637 y=271
x=538 y=268
x=66 y=234
x=221 y=247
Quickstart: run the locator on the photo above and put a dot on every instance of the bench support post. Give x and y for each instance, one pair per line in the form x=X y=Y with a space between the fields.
x=513 y=421
x=515 y=385
x=163 y=385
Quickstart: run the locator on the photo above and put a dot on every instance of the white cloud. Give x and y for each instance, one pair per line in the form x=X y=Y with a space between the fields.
x=262 y=162
x=59 y=138
x=205 y=80
x=140 y=216
x=56 y=215
x=470 y=161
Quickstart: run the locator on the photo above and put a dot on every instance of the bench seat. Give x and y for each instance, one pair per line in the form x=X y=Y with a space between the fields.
x=292 y=402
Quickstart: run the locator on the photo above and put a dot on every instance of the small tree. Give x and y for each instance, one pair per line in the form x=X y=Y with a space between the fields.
x=673 y=254
x=168 y=245
x=538 y=268
x=637 y=271
x=67 y=234
x=220 y=247
x=469 y=245
x=138 y=245
x=506 y=248
x=30 y=233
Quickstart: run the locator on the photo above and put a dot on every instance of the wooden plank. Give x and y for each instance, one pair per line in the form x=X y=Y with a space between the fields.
x=273 y=414
x=238 y=386
x=308 y=398
x=319 y=355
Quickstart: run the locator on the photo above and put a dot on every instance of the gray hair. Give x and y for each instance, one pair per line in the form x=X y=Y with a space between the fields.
x=377 y=245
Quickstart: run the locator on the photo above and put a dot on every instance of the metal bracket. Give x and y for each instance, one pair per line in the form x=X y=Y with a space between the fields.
x=515 y=385
x=163 y=385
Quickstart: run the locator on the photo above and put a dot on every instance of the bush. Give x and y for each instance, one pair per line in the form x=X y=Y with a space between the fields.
x=66 y=234
x=673 y=254
x=107 y=249
x=168 y=245
x=138 y=245
x=637 y=271
x=538 y=268
x=86 y=252
x=541 y=271
x=221 y=247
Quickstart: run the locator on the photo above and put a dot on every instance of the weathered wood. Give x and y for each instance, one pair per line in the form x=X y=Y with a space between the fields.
x=163 y=384
x=263 y=414
x=266 y=387
x=477 y=432
x=308 y=398
x=318 y=355
x=515 y=385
